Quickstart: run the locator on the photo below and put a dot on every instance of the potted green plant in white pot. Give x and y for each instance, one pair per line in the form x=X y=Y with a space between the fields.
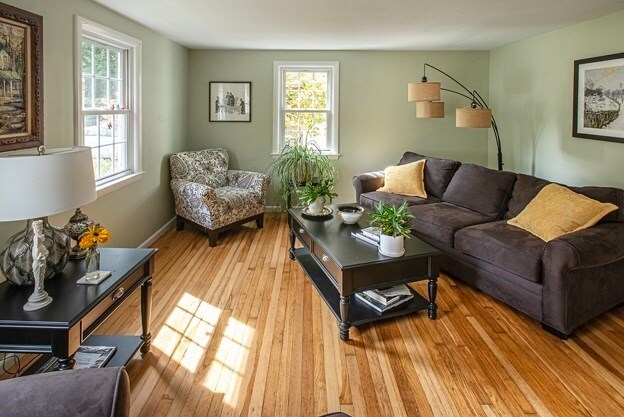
x=393 y=225
x=315 y=196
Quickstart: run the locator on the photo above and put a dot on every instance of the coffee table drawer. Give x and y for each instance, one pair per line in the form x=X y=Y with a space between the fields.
x=327 y=262
x=302 y=234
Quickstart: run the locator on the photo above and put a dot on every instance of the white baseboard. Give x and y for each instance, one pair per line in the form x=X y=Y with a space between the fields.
x=273 y=209
x=158 y=233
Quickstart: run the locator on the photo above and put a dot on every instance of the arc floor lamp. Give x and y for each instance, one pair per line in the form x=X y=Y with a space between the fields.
x=426 y=94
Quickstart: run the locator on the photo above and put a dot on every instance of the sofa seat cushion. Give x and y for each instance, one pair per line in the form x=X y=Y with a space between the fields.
x=441 y=220
x=438 y=172
x=235 y=197
x=504 y=246
x=481 y=189
x=370 y=200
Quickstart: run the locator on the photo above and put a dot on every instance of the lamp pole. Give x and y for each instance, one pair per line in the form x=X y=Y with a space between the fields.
x=476 y=101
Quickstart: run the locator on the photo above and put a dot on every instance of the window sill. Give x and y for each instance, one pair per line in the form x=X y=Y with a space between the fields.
x=117 y=184
x=331 y=156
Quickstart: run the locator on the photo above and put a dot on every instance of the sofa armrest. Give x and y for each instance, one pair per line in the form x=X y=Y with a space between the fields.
x=589 y=248
x=367 y=182
x=255 y=181
x=191 y=194
x=101 y=392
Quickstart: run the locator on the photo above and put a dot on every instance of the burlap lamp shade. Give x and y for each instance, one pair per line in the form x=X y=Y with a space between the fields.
x=473 y=118
x=425 y=91
x=429 y=109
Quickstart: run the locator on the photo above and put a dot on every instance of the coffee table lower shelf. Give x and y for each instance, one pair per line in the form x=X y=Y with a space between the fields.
x=359 y=312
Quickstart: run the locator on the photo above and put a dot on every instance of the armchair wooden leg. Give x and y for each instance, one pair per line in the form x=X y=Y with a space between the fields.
x=179 y=223
x=213 y=237
x=260 y=221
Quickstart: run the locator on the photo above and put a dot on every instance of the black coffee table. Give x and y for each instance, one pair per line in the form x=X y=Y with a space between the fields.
x=340 y=265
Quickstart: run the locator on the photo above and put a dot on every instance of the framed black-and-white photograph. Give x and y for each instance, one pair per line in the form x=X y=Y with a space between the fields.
x=230 y=101
x=599 y=98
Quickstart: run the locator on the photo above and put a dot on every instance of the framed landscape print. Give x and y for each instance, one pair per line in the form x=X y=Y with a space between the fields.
x=21 y=79
x=230 y=101
x=599 y=98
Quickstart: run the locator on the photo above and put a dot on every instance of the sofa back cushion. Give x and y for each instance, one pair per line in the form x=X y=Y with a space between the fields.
x=208 y=167
x=438 y=172
x=481 y=189
x=527 y=187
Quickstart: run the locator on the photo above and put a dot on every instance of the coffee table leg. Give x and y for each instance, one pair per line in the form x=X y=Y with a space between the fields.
x=433 y=291
x=146 y=315
x=344 y=317
x=291 y=251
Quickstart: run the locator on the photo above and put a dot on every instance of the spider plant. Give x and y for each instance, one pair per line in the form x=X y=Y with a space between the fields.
x=311 y=191
x=392 y=220
x=299 y=163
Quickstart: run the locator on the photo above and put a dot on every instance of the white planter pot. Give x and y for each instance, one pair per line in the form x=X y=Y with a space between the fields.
x=317 y=207
x=391 y=246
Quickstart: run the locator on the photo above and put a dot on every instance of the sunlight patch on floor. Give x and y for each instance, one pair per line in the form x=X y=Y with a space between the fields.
x=226 y=372
x=187 y=331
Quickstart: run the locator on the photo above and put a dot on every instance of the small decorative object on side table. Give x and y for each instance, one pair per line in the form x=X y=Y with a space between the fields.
x=89 y=241
x=393 y=225
x=39 y=297
x=75 y=228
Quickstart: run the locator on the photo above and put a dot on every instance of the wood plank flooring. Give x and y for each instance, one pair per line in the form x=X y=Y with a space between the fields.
x=239 y=331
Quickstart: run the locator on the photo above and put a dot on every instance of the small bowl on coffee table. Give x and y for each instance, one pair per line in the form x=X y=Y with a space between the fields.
x=350 y=214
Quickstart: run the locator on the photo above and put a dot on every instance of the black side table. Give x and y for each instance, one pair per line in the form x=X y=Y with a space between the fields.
x=77 y=310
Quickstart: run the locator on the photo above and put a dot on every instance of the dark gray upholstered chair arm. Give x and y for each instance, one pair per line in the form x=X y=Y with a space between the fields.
x=103 y=392
x=365 y=183
x=589 y=248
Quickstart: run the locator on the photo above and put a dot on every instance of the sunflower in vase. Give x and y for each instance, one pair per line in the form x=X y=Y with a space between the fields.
x=90 y=240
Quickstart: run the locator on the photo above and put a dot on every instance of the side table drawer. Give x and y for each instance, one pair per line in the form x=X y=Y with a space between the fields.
x=301 y=233
x=327 y=262
x=116 y=297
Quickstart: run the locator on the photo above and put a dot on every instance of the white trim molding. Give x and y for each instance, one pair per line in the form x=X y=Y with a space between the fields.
x=333 y=69
x=133 y=83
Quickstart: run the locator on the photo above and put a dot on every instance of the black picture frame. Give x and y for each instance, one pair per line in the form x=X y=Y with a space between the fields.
x=581 y=131
x=228 y=113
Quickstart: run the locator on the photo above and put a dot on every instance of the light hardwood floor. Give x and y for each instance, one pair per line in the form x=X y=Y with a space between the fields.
x=239 y=330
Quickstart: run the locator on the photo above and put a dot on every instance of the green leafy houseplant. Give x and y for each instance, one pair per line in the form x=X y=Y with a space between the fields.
x=311 y=191
x=391 y=220
x=298 y=164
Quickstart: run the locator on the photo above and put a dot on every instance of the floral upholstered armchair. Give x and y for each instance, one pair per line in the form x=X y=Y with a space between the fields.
x=213 y=197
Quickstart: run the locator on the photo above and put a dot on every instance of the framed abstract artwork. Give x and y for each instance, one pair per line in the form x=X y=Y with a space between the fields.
x=21 y=79
x=230 y=101
x=599 y=98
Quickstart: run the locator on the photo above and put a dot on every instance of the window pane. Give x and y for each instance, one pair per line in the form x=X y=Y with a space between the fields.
x=87 y=57
x=307 y=80
x=312 y=126
x=291 y=121
x=318 y=133
x=292 y=100
x=320 y=100
x=120 y=128
x=114 y=93
x=292 y=80
x=95 y=156
x=87 y=91
x=114 y=59
x=120 y=158
x=90 y=131
x=305 y=100
x=106 y=129
x=101 y=99
x=106 y=160
x=101 y=66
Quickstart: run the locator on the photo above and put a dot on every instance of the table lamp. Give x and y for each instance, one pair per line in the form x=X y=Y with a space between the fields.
x=35 y=184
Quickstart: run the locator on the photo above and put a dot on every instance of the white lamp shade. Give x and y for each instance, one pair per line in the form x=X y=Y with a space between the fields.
x=33 y=186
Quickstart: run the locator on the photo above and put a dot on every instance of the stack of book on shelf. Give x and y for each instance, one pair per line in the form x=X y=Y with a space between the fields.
x=385 y=299
x=368 y=235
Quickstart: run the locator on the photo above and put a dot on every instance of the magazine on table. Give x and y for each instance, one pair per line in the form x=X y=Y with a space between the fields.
x=371 y=233
x=379 y=307
x=361 y=236
x=389 y=295
x=85 y=357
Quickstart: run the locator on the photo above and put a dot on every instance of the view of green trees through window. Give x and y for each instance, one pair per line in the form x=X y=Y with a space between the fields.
x=105 y=116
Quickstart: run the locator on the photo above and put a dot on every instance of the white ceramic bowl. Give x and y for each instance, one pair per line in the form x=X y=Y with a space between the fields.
x=350 y=214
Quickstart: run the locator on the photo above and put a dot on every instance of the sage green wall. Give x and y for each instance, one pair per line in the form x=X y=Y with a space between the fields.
x=377 y=124
x=531 y=92
x=137 y=211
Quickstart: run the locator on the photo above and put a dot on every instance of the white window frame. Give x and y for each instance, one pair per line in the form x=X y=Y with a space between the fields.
x=84 y=28
x=333 y=100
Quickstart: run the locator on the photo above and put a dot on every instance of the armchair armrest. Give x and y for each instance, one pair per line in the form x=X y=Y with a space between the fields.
x=589 y=248
x=188 y=194
x=254 y=181
x=367 y=182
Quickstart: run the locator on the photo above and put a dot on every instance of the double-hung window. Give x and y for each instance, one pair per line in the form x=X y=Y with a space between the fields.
x=108 y=118
x=306 y=104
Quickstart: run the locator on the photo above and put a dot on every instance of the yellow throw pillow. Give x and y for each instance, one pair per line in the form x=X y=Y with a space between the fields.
x=408 y=179
x=556 y=211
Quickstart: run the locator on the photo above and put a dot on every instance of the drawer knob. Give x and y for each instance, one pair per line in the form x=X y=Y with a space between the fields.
x=119 y=292
x=325 y=258
x=301 y=231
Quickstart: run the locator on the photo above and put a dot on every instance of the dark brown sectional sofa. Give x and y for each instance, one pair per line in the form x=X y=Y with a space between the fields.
x=563 y=283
